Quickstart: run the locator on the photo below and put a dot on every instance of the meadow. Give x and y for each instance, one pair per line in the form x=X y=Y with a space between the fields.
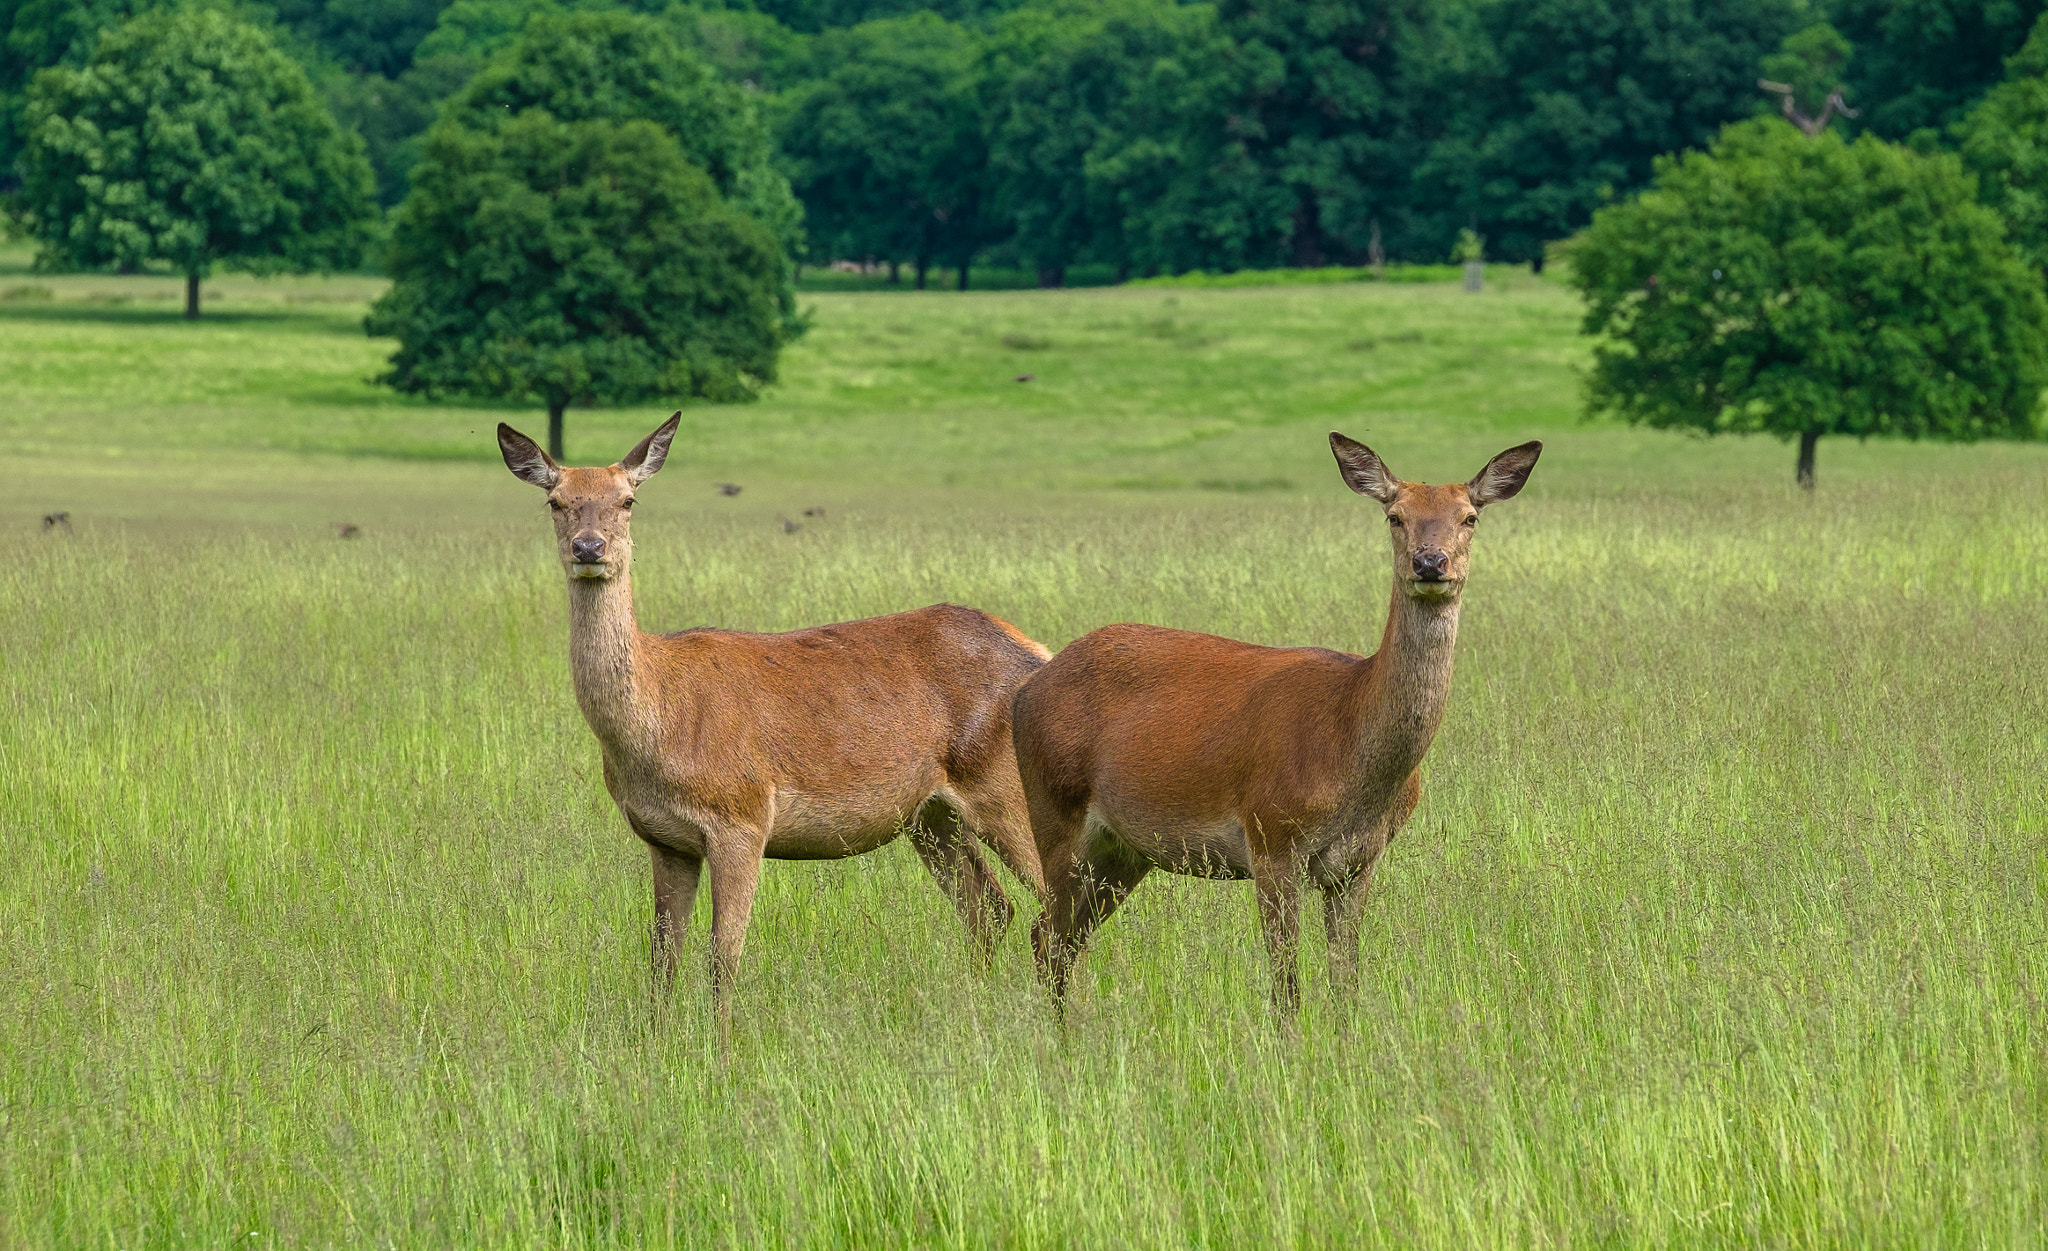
x=1723 y=921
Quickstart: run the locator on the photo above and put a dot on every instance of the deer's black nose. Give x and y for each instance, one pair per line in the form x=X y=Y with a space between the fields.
x=1431 y=565
x=588 y=549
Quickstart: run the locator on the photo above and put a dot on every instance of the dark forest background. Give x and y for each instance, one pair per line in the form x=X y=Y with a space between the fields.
x=1152 y=137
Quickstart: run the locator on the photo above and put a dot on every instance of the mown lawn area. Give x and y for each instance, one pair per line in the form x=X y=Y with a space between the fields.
x=1723 y=921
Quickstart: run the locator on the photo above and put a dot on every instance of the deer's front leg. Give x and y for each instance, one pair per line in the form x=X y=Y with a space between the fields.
x=675 y=896
x=1278 y=882
x=1343 y=905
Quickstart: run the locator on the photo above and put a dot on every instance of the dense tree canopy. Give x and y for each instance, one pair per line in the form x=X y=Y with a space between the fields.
x=566 y=262
x=884 y=142
x=1112 y=139
x=1923 y=63
x=1552 y=108
x=620 y=66
x=2005 y=140
x=189 y=138
x=1811 y=286
x=1139 y=134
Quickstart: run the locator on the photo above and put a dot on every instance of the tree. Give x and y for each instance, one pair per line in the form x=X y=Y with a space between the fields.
x=189 y=138
x=884 y=144
x=2005 y=140
x=1811 y=286
x=572 y=262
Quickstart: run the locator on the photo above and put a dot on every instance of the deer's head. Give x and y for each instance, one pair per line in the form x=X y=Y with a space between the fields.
x=1432 y=526
x=593 y=507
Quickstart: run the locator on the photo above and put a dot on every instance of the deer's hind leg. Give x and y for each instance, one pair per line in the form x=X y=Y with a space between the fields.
x=734 y=851
x=942 y=840
x=1081 y=891
x=992 y=807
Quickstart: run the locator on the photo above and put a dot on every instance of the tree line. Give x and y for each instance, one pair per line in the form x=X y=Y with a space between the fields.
x=1154 y=137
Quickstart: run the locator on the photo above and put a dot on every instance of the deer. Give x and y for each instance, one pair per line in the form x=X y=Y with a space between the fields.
x=725 y=747
x=1142 y=747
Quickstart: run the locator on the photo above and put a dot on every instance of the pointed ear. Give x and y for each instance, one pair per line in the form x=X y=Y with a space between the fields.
x=1362 y=470
x=525 y=459
x=1504 y=475
x=642 y=461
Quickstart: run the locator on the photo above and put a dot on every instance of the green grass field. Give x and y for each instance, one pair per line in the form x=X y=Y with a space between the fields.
x=1723 y=921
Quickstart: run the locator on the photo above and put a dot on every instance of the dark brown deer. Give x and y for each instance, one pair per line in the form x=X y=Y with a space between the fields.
x=723 y=747
x=1146 y=748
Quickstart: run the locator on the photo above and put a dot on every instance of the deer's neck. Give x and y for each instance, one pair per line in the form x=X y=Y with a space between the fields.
x=1409 y=687
x=607 y=663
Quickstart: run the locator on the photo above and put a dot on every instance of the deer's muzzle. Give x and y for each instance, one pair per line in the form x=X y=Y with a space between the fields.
x=587 y=549
x=1431 y=564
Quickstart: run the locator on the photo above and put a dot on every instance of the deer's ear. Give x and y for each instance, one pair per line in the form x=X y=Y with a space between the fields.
x=1504 y=475
x=526 y=460
x=642 y=461
x=1363 y=471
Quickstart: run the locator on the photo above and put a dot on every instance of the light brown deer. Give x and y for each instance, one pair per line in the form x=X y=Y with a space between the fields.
x=1146 y=748
x=723 y=747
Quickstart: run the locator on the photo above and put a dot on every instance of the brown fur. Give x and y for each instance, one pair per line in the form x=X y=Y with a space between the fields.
x=723 y=747
x=1146 y=748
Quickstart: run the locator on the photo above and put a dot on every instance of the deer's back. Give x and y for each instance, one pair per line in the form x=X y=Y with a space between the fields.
x=1167 y=725
x=840 y=707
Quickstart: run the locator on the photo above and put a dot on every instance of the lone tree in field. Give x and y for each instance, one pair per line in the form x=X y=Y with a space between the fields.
x=1806 y=286
x=591 y=223
x=189 y=138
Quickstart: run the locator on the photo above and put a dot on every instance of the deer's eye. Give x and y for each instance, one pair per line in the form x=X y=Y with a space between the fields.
x=555 y=504
x=625 y=503
x=1393 y=521
x=1473 y=520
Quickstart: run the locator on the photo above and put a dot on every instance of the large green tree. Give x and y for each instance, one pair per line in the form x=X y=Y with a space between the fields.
x=572 y=262
x=594 y=218
x=1808 y=286
x=884 y=144
x=189 y=138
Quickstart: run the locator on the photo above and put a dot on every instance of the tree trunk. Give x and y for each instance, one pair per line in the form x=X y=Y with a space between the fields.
x=923 y=263
x=894 y=276
x=555 y=409
x=1052 y=275
x=965 y=261
x=1807 y=440
x=1536 y=263
x=191 y=297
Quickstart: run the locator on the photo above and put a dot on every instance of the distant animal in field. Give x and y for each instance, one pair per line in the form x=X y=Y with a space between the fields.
x=347 y=530
x=54 y=521
x=1145 y=748
x=722 y=747
x=815 y=510
x=729 y=488
x=1027 y=377
x=788 y=526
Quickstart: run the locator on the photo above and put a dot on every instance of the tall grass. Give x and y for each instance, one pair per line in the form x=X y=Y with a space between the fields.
x=1721 y=922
